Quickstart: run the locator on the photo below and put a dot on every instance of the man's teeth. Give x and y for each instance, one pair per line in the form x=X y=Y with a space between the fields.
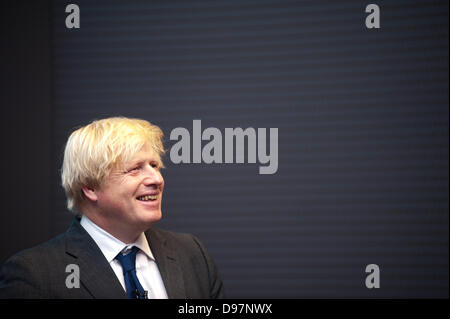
x=148 y=197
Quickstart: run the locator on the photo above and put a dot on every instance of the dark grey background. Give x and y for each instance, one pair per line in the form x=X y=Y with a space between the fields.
x=25 y=55
x=363 y=134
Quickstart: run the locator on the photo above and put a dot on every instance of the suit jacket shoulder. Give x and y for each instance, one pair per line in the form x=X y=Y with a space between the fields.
x=187 y=269
x=43 y=271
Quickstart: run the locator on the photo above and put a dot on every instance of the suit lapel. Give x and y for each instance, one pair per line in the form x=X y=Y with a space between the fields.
x=96 y=275
x=168 y=265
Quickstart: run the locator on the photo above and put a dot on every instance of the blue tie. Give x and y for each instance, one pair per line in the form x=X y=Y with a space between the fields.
x=132 y=284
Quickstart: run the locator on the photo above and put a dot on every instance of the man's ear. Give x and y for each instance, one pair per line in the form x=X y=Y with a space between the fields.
x=89 y=193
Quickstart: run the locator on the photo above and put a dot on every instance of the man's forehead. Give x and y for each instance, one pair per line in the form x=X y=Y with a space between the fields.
x=146 y=153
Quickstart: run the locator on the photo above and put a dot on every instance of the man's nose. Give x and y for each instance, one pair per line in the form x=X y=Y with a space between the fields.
x=152 y=176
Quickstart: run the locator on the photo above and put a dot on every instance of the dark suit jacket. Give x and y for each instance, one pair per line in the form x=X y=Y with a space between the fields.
x=186 y=268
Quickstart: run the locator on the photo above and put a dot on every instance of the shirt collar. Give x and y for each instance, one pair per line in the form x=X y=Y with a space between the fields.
x=111 y=246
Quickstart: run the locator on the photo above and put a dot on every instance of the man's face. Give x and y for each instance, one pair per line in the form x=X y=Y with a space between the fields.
x=132 y=196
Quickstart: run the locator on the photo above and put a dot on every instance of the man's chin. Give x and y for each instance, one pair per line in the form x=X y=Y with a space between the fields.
x=150 y=218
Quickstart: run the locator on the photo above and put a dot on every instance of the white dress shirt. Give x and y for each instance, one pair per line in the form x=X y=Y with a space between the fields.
x=146 y=269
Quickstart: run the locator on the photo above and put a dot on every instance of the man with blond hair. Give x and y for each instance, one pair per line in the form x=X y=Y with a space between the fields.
x=112 y=177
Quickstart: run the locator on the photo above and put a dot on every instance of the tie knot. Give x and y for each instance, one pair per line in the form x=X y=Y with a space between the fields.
x=128 y=261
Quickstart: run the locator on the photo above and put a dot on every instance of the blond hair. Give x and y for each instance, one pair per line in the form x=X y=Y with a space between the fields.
x=94 y=150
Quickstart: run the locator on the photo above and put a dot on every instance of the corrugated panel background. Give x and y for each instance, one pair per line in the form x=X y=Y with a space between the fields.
x=363 y=132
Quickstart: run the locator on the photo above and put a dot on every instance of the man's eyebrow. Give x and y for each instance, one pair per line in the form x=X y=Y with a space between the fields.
x=143 y=160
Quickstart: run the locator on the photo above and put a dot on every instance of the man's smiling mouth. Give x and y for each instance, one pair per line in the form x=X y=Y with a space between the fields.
x=146 y=198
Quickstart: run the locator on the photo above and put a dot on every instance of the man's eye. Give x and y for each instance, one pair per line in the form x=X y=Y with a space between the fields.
x=134 y=169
